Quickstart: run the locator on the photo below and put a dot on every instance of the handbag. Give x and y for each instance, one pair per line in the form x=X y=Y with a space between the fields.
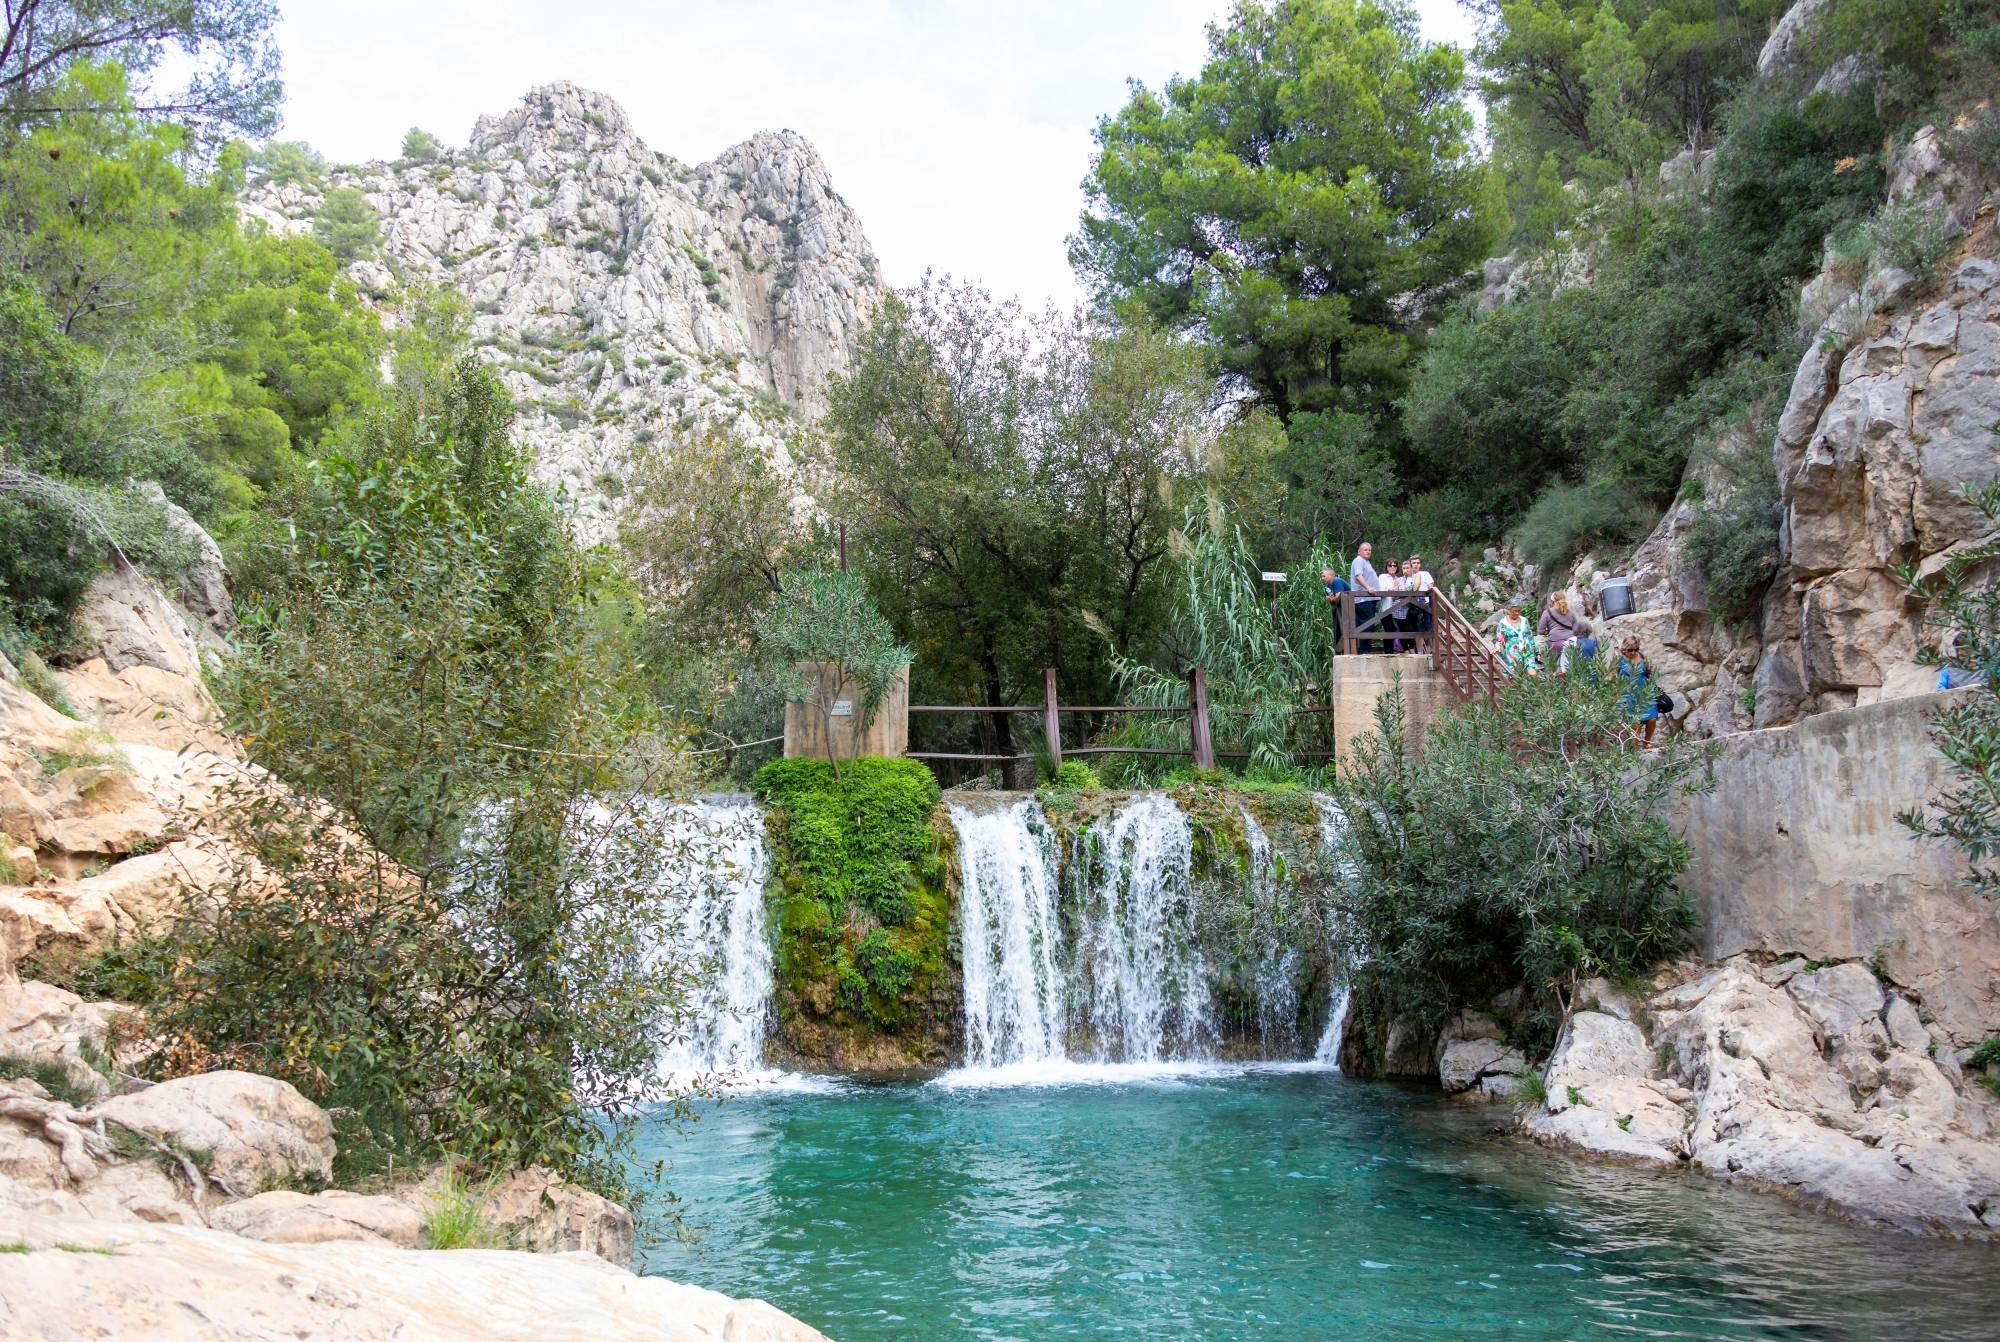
x=1664 y=702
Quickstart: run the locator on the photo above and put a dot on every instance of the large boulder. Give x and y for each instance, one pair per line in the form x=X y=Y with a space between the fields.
x=283 y=1216
x=126 y=1279
x=70 y=919
x=1602 y=1095
x=138 y=674
x=52 y=1164
x=1785 y=52
x=255 y=1132
x=536 y=1209
x=1464 y=1063
x=1811 y=1082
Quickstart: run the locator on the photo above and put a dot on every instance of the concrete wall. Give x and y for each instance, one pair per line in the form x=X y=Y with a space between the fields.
x=1798 y=851
x=1357 y=682
x=807 y=727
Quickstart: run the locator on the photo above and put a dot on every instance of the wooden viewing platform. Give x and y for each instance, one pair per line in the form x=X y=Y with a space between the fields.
x=1447 y=654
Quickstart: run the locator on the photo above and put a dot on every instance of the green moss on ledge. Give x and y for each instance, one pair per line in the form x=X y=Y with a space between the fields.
x=861 y=888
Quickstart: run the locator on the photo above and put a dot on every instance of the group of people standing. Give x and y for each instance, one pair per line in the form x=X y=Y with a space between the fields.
x=1381 y=591
x=1561 y=639
x=1567 y=639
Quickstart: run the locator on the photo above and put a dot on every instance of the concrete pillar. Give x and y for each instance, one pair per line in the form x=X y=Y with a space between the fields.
x=810 y=734
x=1357 y=682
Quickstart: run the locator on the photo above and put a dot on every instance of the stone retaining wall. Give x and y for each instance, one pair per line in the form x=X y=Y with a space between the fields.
x=1798 y=851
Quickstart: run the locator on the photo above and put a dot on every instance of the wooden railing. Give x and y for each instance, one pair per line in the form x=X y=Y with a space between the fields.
x=1439 y=631
x=1201 y=739
x=1461 y=656
x=1364 y=623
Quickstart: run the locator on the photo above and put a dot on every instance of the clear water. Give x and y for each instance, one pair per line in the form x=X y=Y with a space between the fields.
x=1214 y=1204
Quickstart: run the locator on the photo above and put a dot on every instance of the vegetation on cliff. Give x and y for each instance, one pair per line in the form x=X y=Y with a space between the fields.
x=443 y=920
x=860 y=866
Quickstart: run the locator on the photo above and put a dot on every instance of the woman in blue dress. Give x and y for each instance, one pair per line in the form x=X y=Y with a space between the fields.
x=1642 y=696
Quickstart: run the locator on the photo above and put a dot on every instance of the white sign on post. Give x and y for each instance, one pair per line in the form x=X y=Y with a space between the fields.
x=1274 y=577
x=842 y=708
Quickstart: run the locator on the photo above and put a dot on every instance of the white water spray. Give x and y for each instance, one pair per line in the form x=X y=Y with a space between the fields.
x=1272 y=964
x=1011 y=939
x=1138 y=966
x=1332 y=840
x=715 y=870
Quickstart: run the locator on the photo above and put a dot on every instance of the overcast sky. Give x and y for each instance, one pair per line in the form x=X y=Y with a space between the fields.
x=958 y=129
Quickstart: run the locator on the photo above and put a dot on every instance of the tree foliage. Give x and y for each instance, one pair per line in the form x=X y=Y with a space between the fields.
x=823 y=624
x=457 y=901
x=224 y=46
x=1289 y=201
x=346 y=224
x=1007 y=486
x=155 y=338
x=1607 y=88
x=1964 y=605
x=287 y=163
x=420 y=146
x=1594 y=396
x=1263 y=655
x=709 y=525
x=1525 y=844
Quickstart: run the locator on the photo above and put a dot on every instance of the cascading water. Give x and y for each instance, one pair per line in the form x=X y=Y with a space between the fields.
x=716 y=871
x=1138 y=963
x=1272 y=963
x=1332 y=840
x=1011 y=939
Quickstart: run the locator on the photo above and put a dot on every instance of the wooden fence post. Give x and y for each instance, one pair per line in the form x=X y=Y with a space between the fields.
x=1203 y=743
x=1051 y=717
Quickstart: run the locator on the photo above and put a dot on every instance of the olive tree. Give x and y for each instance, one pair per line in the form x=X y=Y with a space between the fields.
x=824 y=625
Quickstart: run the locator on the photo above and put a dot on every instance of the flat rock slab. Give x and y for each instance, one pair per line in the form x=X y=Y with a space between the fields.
x=127 y=1279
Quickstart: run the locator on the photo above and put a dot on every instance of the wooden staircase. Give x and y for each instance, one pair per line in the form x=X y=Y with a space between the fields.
x=1473 y=669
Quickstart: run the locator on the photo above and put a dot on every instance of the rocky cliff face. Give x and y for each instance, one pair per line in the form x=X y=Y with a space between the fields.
x=625 y=297
x=1891 y=412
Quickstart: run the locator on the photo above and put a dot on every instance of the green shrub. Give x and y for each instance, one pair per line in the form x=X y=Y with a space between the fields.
x=858 y=837
x=866 y=915
x=1076 y=776
x=51 y=1074
x=420 y=146
x=1525 y=845
x=418 y=655
x=347 y=224
x=1733 y=540
x=1908 y=235
x=889 y=968
x=456 y=1218
x=1567 y=518
x=1735 y=546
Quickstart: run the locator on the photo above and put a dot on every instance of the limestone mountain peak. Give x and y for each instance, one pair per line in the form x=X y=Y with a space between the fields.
x=627 y=298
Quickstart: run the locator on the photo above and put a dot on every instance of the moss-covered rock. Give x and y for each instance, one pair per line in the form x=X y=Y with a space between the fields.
x=866 y=974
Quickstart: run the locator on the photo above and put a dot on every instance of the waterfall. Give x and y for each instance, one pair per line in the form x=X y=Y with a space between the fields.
x=1138 y=965
x=716 y=871
x=1332 y=837
x=1272 y=964
x=1010 y=938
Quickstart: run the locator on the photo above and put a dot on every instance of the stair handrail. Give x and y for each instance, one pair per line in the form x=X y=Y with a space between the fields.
x=1461 y=656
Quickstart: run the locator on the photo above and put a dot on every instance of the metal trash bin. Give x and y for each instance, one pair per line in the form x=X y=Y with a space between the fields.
x=1614 y=598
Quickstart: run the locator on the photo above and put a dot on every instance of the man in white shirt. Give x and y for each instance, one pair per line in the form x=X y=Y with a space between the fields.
x=1361 y=573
